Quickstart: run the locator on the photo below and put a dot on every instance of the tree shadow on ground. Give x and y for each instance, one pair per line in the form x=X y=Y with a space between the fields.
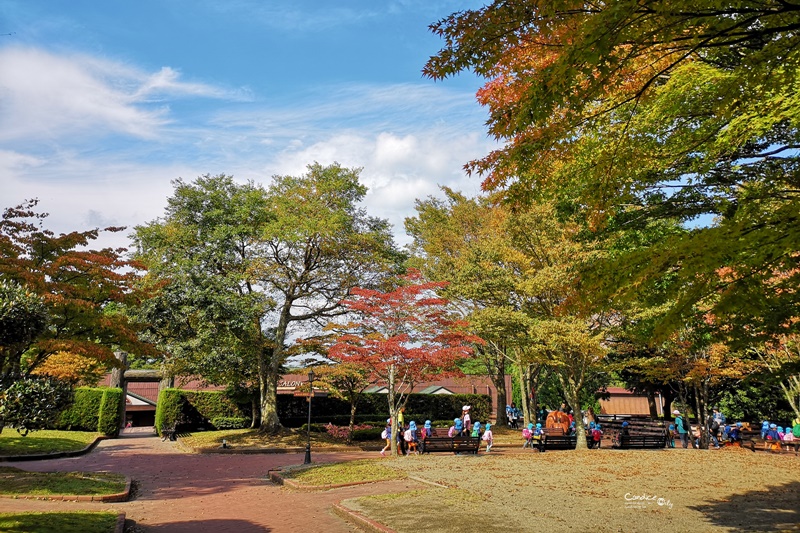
x=193 y=526
x=777 y=508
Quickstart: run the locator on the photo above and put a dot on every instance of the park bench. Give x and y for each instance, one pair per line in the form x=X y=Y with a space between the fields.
x=168 y=432
x=558 y=442
x=440 y=442
x=626 y=442
x=757 y=444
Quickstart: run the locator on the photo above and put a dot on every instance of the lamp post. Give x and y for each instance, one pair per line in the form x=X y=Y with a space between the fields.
x=307 y=460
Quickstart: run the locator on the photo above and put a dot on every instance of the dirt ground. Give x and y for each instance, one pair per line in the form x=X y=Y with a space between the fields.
x=595 y=490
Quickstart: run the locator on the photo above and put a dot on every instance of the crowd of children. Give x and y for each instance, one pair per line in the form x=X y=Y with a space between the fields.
x=410 y=439
x=774 y=434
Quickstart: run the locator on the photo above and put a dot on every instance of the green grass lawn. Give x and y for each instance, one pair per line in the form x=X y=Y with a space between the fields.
x=16 y=482
x=75 y=522
x=350 y=472
x=45 y=441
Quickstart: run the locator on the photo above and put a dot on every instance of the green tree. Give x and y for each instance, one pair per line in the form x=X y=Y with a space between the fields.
x=645 y=111
x=242 y=270
x=23 y=318
x=82 y=290
x=33 y=402
x=348 y=382
x=515 y=272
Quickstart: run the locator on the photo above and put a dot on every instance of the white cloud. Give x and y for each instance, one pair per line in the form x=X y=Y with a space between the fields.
x=396 y=169
x=110 y=147
x=50 y=96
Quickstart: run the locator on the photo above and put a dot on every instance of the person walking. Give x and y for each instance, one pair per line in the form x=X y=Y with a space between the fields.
x=682 y=425
x=387 y=434
x=713 y=424
x=488 y=438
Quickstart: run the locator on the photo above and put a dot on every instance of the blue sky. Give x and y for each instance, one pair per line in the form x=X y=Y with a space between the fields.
x=103 y=103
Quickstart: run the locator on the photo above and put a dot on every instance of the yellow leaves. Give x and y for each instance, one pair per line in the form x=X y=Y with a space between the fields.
x=73 y=368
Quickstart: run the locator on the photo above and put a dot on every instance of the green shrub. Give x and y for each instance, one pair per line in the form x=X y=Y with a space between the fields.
x=169 y=407
x=84 y=411
x=93 y=409
x=109 y=421
x=293 y=410
x=361 y=435
x=189 y=410
x=230 y=422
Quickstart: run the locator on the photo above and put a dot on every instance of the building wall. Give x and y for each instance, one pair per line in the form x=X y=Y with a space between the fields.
x=623 y=402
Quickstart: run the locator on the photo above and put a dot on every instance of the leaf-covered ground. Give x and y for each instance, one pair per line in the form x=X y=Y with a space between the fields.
x=595 y=490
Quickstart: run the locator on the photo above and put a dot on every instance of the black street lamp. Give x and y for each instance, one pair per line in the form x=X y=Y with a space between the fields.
x=307 y=460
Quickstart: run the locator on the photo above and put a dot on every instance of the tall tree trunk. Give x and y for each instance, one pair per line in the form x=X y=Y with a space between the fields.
x=571 y=388
x=393 y=409
x=526 y=395
x=701 y=420
x=502 y=400
x=269 y=371
x=254 y=412
x=353 y=402
x=651 y=403
x=118 y=380
x=521 y=378
x=268 y=391
x=668 y=393
x=573 y=396
x=495 y=362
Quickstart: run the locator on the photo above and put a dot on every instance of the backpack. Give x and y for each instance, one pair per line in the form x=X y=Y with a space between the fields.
x=796 y=430
x=407 y=435
x=526 y=433
x=475 y=432
x=384 y=435
x=486 y=436
x=451 y=432
x=596 y=434
x=685 y=424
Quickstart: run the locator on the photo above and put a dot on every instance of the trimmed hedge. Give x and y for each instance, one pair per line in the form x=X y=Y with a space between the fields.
x=293 y=410
x=188 y=410
x=92 y=409
x=109 y=419
x=230 y=422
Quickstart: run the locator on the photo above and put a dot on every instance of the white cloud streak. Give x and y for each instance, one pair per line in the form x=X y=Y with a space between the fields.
x=48 y=96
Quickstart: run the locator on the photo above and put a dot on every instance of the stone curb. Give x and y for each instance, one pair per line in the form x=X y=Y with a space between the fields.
x=120 y=525
x=56 y=455
x=104 y=498
x=359 y=520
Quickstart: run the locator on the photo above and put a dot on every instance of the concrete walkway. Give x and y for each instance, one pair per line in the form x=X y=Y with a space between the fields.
x=182 y=492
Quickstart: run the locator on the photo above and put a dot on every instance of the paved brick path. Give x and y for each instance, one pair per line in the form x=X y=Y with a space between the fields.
x=180 y=492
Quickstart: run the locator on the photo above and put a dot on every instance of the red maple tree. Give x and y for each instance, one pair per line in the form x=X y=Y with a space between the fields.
x=403 y=336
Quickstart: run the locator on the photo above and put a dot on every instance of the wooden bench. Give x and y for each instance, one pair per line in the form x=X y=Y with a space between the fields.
x=757 y=444
x=168 y=432
x=450 y=444
x=558 y=442
x=626 y=442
